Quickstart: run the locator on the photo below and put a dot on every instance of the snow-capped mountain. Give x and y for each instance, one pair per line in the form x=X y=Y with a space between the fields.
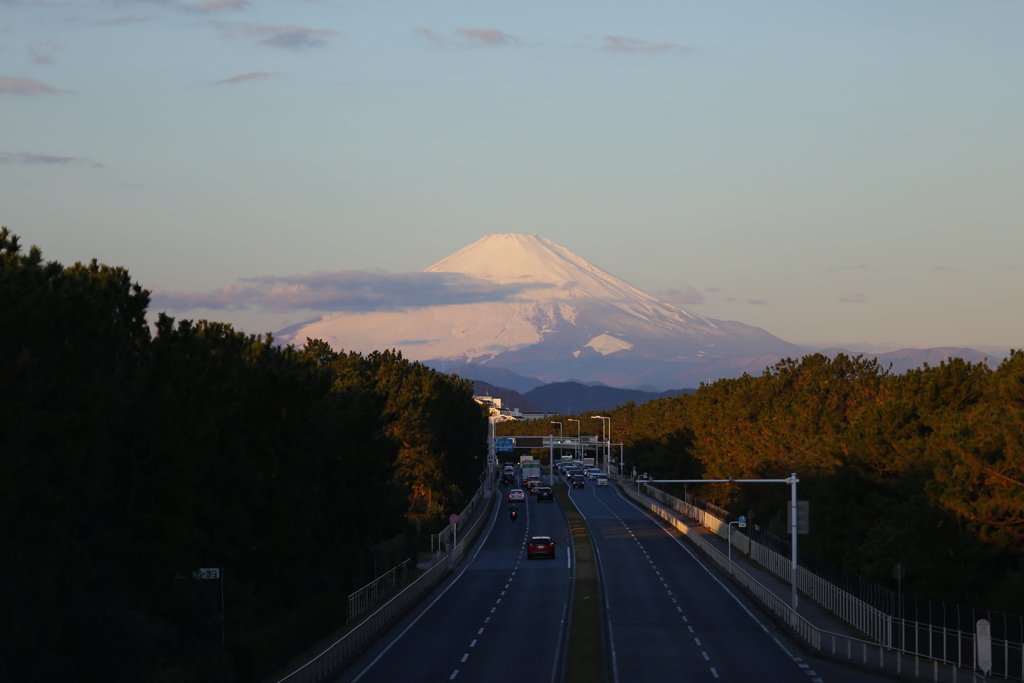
x=557 y=317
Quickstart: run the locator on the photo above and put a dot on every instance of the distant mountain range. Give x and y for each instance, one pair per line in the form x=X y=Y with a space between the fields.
x=569 y=398
x=535 y=313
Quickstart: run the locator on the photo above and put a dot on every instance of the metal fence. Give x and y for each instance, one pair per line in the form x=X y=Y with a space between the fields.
x=372 y=593
x=328 y=663
x=947 y=639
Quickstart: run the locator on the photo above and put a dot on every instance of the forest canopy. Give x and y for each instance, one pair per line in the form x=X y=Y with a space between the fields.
x=134 y=457
x=925 y=468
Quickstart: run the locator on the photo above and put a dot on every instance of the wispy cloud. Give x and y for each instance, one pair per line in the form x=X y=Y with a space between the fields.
x=627 y=44
x=687 y=296
x=478 y=37
x=857 y=298
x=757 y=302
x=349 y=290
x=286 y=36
x=859 y=266
x=432 y=36
x=488 y=37
x=26 y=159
x=943 y=269
x=24 y=86
x=214 y=6
x=123 y=20
x=251 y=76
x=42 y=51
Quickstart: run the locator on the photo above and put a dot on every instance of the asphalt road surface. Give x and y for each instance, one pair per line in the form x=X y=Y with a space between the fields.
x=500 y=617
x=668 y=618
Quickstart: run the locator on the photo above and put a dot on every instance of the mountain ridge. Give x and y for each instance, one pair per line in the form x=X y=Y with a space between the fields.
x=544 y=312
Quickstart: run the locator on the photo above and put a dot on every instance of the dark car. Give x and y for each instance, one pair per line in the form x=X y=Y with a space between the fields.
x=540 y=546
x=544 y=493
x=578 y=481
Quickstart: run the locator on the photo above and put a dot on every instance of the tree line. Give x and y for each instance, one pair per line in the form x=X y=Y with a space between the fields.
x=134 y=457
x=925 y=468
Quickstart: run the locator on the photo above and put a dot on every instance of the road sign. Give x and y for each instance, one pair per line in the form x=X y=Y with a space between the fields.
x=743 y=521
x=504 y=443
x=454 y=519
x=208 y=573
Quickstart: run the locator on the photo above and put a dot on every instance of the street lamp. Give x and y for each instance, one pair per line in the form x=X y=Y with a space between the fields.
x=578 y=438
x=551 y=452
x=608 y=441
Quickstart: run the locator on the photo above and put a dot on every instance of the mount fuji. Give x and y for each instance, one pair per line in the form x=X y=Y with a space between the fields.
x=554 y=316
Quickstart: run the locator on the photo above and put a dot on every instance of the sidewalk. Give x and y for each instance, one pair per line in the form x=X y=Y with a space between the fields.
x=840 y=642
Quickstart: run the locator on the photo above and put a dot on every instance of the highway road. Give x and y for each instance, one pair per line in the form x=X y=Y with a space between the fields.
x=668 y=618
x=500 y=617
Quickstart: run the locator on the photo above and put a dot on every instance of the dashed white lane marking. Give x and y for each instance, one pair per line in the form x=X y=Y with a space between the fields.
x=706 y=658
x=454 y=674
x=473 y=644
x=465 y=657
x=713 y=672
x=697 y=640
x=479 y=632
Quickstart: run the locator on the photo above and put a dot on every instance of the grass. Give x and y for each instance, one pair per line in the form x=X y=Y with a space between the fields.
x=584 y=658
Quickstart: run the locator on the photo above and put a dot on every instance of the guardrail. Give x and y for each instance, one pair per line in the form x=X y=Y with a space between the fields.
x=779 y=606
x=954 y=650
x=327 y=664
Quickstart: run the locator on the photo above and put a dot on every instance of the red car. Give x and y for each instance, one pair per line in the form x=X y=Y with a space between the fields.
x=540 y=546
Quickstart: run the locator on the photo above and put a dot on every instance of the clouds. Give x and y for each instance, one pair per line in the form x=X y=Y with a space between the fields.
x=26 y=159
x=349 y=290
x=627 y=44
x=487 y=36
x=857 y=298
x=681 y=297
x=42 y=51
x=214 y=6
x=286 y=36
x=241 y=78
x=470 y=37
x=24 y=86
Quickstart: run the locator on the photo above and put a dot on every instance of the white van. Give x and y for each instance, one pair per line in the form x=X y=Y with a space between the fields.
x=602 y=479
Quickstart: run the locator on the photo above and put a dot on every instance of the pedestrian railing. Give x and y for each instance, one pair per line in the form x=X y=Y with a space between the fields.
x=375 y=591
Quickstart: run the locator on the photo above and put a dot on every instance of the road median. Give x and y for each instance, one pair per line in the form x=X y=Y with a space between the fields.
x=584 y=658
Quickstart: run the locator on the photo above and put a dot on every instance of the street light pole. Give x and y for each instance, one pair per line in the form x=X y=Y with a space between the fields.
x=578 y=438
x=608 y=439
x=553 y=451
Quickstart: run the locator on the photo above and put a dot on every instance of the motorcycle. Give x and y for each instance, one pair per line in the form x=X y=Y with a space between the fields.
x=513 y=515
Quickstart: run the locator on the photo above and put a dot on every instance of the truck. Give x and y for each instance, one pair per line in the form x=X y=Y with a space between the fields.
x=530 y=468
x=588 y=463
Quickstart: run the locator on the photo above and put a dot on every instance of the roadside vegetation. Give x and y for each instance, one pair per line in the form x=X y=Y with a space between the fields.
x=925 y=468
x=132 y=458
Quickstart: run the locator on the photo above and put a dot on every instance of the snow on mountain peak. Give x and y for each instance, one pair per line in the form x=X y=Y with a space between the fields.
x=515 y=258
x=558 y=314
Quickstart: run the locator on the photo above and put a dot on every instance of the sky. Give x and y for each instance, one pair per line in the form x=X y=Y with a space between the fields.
x=838 y=173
